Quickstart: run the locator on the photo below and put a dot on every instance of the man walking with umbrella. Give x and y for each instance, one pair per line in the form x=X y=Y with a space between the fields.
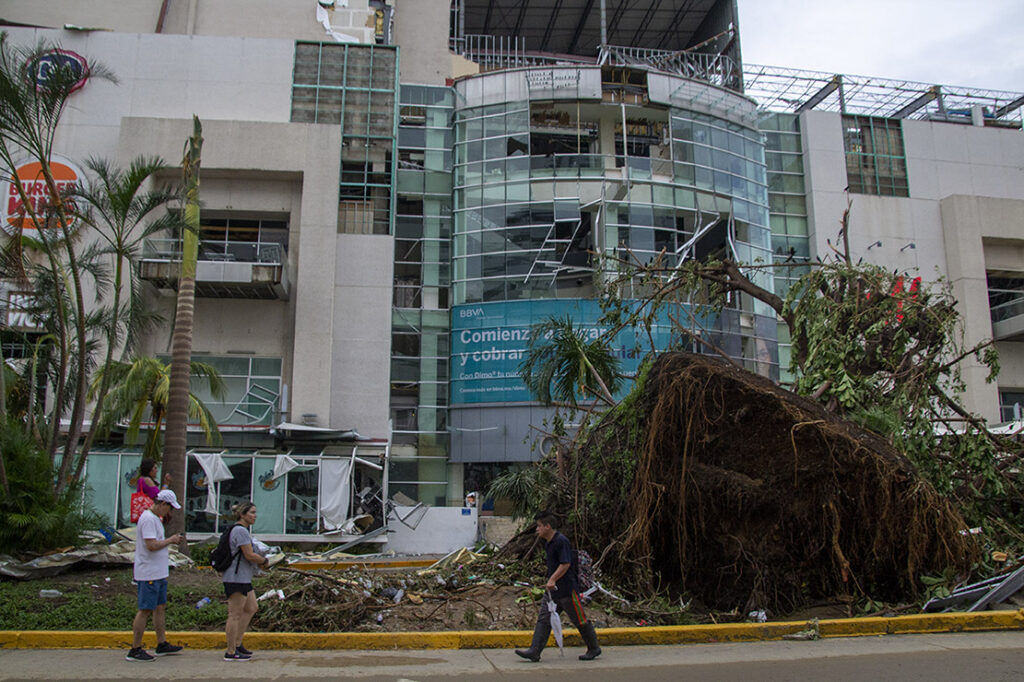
x=562 y=590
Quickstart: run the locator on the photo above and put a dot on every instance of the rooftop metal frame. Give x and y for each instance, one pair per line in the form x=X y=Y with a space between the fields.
x=796 y=90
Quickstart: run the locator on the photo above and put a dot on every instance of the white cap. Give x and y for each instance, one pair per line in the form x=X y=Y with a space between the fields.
x=169 y=497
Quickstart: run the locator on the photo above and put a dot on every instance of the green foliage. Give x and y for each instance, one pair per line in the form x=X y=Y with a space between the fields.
x=939 y=585
x=79 y=608
x=528 y=488
x=139 y=391
x=605 y=478
x=33 y=518
x=565 y=364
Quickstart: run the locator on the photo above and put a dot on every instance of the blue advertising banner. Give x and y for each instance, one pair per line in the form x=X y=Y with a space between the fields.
x=489 y=341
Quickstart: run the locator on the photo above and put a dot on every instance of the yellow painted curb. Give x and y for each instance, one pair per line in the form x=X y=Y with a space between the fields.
x=505 y=639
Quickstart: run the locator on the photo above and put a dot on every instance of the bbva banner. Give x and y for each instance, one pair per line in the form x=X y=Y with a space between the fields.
x=489 y=342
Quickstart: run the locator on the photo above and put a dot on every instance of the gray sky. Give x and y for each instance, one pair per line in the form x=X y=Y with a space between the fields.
x=975 y=43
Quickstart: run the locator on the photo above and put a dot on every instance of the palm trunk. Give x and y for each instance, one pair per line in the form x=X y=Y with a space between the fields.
x=181 y=344
x=3 y=423
x=101 y=396
x=60 y=338
x=82 y=351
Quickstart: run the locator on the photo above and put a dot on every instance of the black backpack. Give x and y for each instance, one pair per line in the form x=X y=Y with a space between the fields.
x=221 y=556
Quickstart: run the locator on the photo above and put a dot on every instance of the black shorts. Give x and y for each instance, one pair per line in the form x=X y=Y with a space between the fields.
x=240 y=588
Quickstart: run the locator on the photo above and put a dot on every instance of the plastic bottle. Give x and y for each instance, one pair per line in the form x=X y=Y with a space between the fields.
x=50 y=594
x=202 y=602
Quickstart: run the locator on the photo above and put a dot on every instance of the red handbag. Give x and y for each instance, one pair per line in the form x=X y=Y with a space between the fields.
x=140 y=503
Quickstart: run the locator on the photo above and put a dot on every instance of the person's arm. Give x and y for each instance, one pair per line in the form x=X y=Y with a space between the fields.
x=252 y=557
x=559 y=572
x=152 y=544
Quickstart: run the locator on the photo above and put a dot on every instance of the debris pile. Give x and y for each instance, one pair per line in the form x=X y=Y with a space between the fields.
x=714 y=482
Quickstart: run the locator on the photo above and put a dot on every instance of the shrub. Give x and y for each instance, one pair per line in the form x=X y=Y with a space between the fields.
x=32 y=518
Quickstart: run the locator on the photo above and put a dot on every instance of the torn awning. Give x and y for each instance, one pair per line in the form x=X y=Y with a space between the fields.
x=289 y=430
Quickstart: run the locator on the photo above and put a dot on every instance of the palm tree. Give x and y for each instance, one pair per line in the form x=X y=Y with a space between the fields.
x=561 y=365
x=32 y=103
x=114 y=204
x=181 y=343
x=141 y=389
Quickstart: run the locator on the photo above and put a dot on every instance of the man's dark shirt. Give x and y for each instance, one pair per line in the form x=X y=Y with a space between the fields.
x=559 y=552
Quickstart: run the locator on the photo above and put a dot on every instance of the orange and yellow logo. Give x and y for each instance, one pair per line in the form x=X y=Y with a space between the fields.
x=34 y=206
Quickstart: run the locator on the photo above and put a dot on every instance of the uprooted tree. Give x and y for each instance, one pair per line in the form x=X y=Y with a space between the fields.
x=883 y=349
x=712 y=480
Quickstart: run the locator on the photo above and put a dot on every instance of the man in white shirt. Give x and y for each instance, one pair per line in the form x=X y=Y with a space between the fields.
x=152 y=567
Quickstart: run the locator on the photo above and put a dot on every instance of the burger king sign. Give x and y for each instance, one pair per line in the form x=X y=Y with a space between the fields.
x=38 y=197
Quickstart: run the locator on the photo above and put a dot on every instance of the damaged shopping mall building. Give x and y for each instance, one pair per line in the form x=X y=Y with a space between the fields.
x=394 y=191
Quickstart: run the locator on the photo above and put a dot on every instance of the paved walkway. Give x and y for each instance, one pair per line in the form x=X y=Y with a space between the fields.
x=956 y=657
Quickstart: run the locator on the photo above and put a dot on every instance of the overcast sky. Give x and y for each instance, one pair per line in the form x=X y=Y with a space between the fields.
x=975 y=43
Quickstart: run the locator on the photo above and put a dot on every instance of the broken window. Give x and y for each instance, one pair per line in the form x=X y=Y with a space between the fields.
x=875 y=158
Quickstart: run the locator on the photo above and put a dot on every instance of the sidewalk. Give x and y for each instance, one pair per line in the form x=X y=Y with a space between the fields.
x=483 y=639
x=936 y=658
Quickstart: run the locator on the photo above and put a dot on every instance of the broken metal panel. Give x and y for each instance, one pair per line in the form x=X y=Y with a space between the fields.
x=820 y=96
x=1001 y=591
x=1007 y=108
x=931 y=94
x=791 y=90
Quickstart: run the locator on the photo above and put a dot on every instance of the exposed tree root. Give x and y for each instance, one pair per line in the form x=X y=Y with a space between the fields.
x=716 y=482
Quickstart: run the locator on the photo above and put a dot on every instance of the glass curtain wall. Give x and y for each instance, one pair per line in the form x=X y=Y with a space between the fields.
x=539 y=185
x=353 y=86
x=787 y=200
x=420 y=336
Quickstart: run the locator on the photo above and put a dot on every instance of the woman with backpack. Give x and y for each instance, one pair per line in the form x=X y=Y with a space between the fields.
x=238 y=581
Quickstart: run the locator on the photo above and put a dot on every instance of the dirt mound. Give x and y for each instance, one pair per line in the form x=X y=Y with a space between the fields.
x=713 y=481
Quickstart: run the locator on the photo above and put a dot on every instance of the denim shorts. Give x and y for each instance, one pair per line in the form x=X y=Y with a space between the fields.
x=152 y=593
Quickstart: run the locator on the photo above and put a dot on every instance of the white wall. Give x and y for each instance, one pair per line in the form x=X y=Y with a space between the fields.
x=289 y=19
x=442 y=530
x=966 y=186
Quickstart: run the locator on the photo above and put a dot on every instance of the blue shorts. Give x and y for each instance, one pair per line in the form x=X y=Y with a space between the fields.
x=152 y=593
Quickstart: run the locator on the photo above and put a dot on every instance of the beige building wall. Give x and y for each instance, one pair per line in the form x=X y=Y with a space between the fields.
x=288 y=19
x=421 y=29
x=333 y=331
x=966 y=193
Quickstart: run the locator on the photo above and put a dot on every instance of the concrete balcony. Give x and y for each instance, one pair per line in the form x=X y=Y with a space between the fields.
x=254 y=270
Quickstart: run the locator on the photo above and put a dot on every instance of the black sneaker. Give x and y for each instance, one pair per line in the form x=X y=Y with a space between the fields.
x=237 y=656
x=140 y=655
x=165 y=648
x=242 y=650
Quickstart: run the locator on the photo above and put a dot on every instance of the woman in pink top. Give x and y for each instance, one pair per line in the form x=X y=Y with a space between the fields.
x=147 y=479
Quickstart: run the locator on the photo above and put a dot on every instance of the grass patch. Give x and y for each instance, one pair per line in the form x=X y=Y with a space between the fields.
x=107 y=601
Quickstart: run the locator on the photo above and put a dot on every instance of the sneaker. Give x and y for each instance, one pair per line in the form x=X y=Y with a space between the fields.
x=242 y=650
x=165 y=648
x=237 y=656
x=139 y=654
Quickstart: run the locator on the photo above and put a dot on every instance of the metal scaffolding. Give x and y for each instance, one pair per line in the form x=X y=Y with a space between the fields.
x=795 y=90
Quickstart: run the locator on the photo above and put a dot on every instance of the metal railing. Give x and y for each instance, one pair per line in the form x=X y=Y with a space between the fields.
x=1005 y=311
x=500 y=52
x=713 y=68
x=263 y=253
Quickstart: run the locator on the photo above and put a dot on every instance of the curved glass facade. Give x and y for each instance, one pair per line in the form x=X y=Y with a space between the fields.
x=549 y=167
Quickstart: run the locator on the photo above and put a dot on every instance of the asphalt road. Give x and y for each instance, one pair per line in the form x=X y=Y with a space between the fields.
x=960 y=657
